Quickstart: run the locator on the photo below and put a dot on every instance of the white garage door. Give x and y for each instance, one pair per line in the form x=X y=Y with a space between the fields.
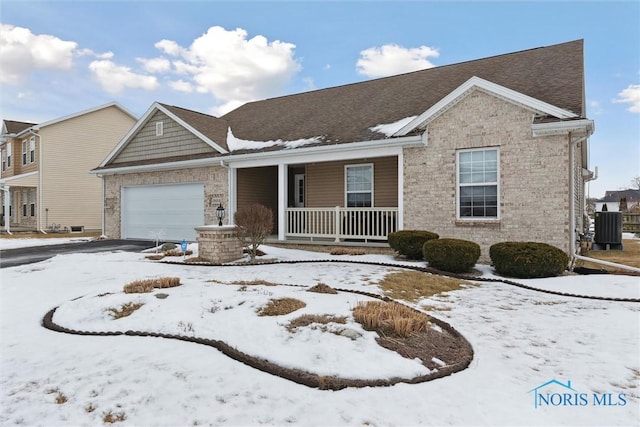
x=170 y=211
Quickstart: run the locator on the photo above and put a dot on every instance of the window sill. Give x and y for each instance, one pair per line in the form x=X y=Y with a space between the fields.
x=492 y=223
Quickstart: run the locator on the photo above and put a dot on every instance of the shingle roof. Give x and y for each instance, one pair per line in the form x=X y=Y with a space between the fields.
x=616 y=196
x=212 y=127
x=553 y=74
x=14 y=127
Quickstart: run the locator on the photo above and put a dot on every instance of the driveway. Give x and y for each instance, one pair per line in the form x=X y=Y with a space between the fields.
x=21 y=256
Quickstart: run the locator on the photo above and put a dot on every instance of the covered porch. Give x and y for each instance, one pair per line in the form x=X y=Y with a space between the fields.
x=349 y=201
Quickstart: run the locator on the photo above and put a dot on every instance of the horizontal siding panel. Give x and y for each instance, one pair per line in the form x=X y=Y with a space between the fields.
x=175 y=141
x=325 y=182
x=72 y=148
x=259 y=185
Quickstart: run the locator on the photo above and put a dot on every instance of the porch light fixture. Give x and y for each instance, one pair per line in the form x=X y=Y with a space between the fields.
x=220 y=214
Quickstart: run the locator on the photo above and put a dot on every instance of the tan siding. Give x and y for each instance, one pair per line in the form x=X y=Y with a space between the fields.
x=175 y=141
x=70 y=149
x=325 y=182
x=259 y=185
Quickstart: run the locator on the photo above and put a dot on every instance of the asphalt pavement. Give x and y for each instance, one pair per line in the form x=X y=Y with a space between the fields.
x=29 y=255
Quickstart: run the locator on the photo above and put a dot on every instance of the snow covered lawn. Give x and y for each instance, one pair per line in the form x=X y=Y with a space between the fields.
x=522 y=339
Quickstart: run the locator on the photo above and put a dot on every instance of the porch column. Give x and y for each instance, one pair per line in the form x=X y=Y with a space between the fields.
x=282 y=200
x=232 y=191
x=6 y=199
x=400 y=218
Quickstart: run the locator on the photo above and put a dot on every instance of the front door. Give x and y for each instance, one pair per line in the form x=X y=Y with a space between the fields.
x=298 y=190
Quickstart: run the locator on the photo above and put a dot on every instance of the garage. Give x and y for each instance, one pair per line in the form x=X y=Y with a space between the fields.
x=169 y=212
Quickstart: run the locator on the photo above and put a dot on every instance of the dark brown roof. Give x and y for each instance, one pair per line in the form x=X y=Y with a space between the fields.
x=552 y=74
x=14 y=127
x=212 y=127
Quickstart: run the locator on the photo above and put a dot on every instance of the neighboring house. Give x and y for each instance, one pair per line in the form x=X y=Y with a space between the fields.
x=613 y=201
x=45 y=178
x=488 y=150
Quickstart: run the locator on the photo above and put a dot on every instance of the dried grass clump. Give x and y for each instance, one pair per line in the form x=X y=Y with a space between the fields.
x=321 y=288
x=257 y=282
x=413 y=285
x=390 y=319
x=281 y=306
x=124 y=310
x=177 y=252
x=347 y=251
x=138 y=287
x=110 y=418
x=147 y=285
x=309 y=319
x=157 y=257
x=166 y=282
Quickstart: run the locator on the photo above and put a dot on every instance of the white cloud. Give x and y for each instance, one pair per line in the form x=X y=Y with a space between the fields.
x=630 y=95
x=391 y=59
x=181 y=86
x=22 y=52
x=89 y=52
x=155 y=65
x=115 y=78
x=231 y=67
x=595 y=107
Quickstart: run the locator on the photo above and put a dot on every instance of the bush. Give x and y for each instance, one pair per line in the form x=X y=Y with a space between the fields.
x=453 y=255
x=254 y=224
x=528 y=259
x=410 y=242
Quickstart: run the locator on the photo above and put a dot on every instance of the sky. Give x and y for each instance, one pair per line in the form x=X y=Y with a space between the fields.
x=62 y=57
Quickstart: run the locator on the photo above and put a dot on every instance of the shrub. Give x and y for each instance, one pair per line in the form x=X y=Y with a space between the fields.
x=168 y=246
x=410 y=242
x=347 y=251
x=453 y=255
x=254 y=224
x=528 y=259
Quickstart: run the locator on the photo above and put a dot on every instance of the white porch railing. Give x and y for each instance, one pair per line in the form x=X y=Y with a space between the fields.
x=341 y=223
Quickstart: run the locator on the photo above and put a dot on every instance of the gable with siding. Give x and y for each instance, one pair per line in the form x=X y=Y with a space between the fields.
x=175 y=141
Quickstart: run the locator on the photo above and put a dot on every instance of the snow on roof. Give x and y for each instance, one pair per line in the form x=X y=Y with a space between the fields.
x=236 y=144
x=390 y=128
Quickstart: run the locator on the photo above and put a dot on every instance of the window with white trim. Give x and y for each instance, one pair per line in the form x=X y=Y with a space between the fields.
x=9 y=154
x=32 y=149
x=25 y=146
x=4 y=160
x=359 y=186
x=478 y=183
x=32 y=202
x=24 y=203
x=159 y=128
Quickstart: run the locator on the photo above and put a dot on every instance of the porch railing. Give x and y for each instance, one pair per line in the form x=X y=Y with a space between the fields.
x=341 y=223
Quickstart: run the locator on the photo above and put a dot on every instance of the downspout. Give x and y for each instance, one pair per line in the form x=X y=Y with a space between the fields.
x=230 y=190
x=572 y=209
x=39 y=222
x=102 y=231
x=6 y=200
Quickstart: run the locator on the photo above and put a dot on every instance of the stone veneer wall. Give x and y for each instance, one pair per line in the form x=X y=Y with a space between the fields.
x=219 y=244
x=215 y=187
x=534 y=178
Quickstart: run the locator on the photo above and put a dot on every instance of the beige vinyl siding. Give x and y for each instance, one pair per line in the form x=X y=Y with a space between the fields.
x=70 y=149
x=174 y=141
x=259 y=185
x=326 y=188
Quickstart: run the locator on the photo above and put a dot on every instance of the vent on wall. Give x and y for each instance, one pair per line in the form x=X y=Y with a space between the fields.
x=77 y=228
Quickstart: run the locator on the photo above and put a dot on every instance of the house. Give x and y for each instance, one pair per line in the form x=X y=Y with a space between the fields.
x=614 y=200
x=44 y=174
x=488 y=150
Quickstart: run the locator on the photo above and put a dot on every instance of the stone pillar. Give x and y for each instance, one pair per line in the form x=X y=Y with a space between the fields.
x=218 y=244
